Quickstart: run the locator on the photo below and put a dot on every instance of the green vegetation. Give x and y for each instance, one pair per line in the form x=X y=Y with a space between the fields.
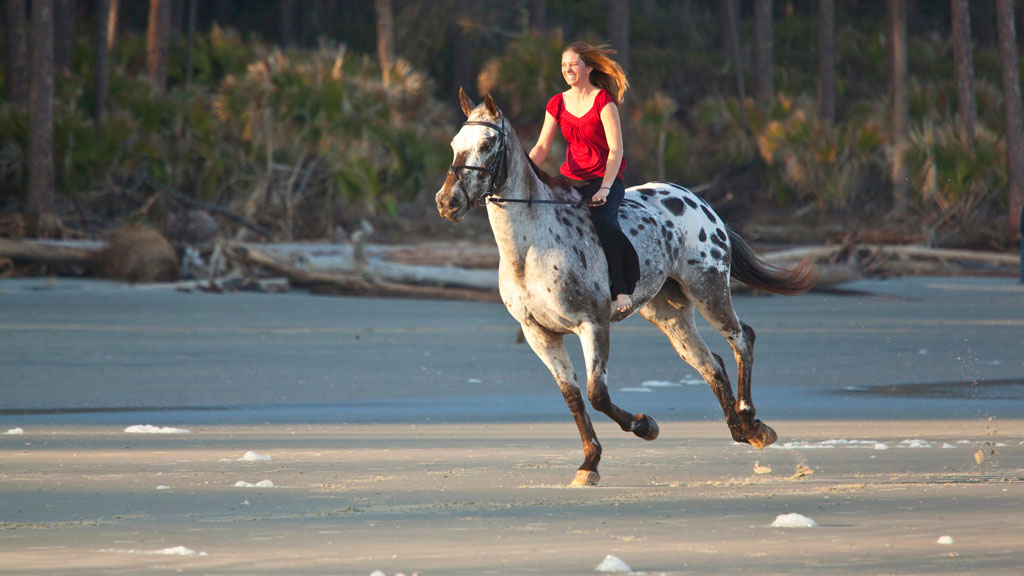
x=293 y=138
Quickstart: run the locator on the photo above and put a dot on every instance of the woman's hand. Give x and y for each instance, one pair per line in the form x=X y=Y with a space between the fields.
x=600 y=197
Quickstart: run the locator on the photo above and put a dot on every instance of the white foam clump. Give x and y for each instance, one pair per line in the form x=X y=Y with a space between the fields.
x=179 y=551
x=163 y=487
x=260 y=484
x=150 y=429
x=793 y=520
x=915 y=443
x=945 y=540
x=660 y=384
x=251 y=456
x=828 y=444
x=14 y=432
x=640 y=389
x=612 y=564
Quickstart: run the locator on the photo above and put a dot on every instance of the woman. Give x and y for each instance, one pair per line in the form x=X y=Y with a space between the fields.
x=588 y=116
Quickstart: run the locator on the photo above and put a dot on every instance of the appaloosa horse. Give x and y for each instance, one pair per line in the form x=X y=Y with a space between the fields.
x=553 y=277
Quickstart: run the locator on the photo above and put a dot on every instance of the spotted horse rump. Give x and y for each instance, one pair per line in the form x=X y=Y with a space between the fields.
x=553 y=277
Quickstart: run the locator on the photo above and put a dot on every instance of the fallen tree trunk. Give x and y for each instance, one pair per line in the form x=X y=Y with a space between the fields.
x=348 y=283
x=52 y=252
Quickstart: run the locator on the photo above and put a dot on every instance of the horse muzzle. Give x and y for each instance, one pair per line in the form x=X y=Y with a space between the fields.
x=451 y=205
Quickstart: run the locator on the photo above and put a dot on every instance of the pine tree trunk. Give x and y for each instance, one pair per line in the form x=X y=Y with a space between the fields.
x=827 y=61
x=41 y=197
x=63 y=35
x=385 y=38
x=618 y=34
x=764 y=83
x=158 y=42
x=115 y=9
x=729 y=16
x=462 y=65
x=900 y=104
x=538 y=10
x=101 y=77
x=16 y=62
x=1008 y=59
x=963 y=60
x=193 y=9
x=287 y=23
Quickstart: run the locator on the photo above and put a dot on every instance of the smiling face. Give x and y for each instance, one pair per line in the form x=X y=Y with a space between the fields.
x=574 y=69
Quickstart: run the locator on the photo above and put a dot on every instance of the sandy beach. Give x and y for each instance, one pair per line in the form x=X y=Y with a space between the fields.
x=305 y=435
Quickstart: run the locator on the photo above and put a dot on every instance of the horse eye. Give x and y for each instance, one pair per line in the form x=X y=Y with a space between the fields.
x=487 y=145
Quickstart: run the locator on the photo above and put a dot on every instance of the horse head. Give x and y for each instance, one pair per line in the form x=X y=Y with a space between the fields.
x=480 y=167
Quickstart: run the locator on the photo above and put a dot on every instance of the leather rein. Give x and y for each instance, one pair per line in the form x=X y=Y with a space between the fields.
x=498 y=171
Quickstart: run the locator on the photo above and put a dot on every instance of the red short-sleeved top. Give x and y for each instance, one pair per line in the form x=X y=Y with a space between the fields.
x=587 y=155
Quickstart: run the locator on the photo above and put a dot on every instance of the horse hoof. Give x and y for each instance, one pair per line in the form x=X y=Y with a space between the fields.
x=646 y=427
x=764 y=437
x=586 y=478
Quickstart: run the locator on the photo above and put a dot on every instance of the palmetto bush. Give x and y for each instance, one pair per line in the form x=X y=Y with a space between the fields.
x=291 y=140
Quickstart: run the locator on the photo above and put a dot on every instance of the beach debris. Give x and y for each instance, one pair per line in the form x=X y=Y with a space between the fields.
x=802 y=471
x=979 y=456
x=251 y=456
x=612 y=564
x=945 y=540
x=758 y=469
x=14 y=432
x=150 y=429
x=793 y=520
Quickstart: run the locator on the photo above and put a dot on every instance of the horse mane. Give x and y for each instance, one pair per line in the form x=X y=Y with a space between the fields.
x=558 y=182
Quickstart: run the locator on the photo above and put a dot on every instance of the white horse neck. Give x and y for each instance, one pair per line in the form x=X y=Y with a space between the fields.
x=518 y=226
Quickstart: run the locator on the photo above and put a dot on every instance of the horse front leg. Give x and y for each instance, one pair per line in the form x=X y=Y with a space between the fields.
x=548 y=346
x=595 y=339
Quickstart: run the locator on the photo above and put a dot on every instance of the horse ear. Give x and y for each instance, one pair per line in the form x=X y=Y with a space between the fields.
x=491 y=106
x=464 y=101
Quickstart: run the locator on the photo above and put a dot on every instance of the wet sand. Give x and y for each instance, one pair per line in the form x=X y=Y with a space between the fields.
x=468 y=499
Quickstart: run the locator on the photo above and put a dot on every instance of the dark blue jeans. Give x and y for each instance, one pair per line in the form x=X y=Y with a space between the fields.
x=623 y=263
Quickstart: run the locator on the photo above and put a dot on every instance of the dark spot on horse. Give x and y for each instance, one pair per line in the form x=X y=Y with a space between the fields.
x=709 y=214
x=663 y=192
x=670 y=224
x=633 y=232
x=597 y=286
x=703 y=236
x=645 y=197
x=690 y=201
x=716 y=254
x=556 y=267
x=549 y=289
x=720 y=234
x=674 y=205
x=693 y=262
x=647 y=262
x=639 y=226
x=720 y=243
x=644 y=190
x=703 y=254
x=579 y=231
x=558 y=238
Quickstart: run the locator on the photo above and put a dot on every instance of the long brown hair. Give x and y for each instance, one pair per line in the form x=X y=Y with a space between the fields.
x=606 y=73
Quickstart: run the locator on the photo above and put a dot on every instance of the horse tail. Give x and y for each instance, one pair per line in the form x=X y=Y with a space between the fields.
x=756 y=272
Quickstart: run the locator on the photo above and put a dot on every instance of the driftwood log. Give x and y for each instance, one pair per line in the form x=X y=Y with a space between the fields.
x=438 y=270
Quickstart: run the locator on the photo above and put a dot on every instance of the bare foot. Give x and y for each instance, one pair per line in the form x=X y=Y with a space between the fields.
x=623 y=302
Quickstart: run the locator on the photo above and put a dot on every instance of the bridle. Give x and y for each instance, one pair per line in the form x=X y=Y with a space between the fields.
x=498 y=171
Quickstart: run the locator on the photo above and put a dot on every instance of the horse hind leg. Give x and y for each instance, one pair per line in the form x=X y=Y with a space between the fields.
x=673 y=313
x=718 y=310
x=550 y=349
x=594 y=338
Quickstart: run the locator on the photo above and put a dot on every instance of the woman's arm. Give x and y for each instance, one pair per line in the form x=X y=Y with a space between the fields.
x=613 y=132
x=547 y=134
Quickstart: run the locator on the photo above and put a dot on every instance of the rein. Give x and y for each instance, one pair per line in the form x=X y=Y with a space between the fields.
x=499 y=173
